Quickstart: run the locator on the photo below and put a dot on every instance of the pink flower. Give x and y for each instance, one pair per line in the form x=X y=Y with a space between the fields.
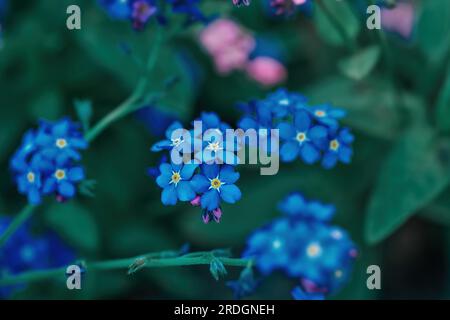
x=267 y=71
x=399 y=19
x=228 y=44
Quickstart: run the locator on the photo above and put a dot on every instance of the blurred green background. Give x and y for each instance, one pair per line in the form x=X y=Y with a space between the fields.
x=394 y=198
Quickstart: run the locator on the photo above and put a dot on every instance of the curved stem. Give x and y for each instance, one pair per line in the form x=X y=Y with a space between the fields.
x=131 y=104
x=152 y=260
x=23 y=216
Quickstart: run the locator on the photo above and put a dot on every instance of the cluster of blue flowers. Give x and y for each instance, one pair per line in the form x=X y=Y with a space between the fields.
x=25 y=252
x=140 y=12
x=311 y=133
x=208 y=178
x=46 y=161
x=305 y=246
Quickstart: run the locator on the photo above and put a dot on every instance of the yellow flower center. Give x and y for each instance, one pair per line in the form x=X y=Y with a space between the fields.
x=60 y=174
x=301 y=137
x=334 y=145
x=313 y=250
x=177 y=141
x=176 y=177
x=214 y=146
x=215 y=183
x=61 y=143
x=320 y=113
x=31 y=177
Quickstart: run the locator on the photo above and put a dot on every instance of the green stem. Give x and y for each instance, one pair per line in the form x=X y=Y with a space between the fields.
x=131 y=104
x=151 y=261
x=134 y=101
x=23 y=216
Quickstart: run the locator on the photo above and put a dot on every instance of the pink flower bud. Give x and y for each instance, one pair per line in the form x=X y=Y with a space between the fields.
x=399 y=19
x=217 y=214
x=196 y=201
x=267 y=71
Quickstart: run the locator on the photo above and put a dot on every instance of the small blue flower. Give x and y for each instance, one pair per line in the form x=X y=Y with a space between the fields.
x=63 y=181
x=327 y=115
x=45 y=161
x=299 y=294
x=270 y=246
x=176 y=182
x=140 y=12
x=339 y=149
x=216 y=183
x=283 y=103
x=210 y=120
x=296 y=206
x=61 y=140
x=304 y=246
x=216 y=150
x=176 y=137
x=155 y=120
x=302 y=139
x=24 y=252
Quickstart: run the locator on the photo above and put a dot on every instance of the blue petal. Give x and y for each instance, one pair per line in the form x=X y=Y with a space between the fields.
x=61 y=128
x=289 y=151
x=309 y=153
x=163 y=180
x=318 y=134
x=228 y=175
x=329 y=160
x=169 y=196
x=211 y=171
x=76 y=174
x=66 y=189
x=346 y=136
x=165 y=169
x=171 y=128
x=345 y=154
x=200 y=183
x=34 y=196
x=337 y=113
x=302 y=121
x=161 y=145
x=49 y=186
x=210 y=119
x=78 y=143
x=287 y=131
x=187 y=171
x=210 y=200
x=247 y=123
x=185 y=191
x=230 y=193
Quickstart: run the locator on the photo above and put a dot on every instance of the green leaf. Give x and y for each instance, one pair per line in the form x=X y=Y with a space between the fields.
x=433 y=28
x=75 y=224
x=360 y=64
x=336 y=22
x=412 y=176
x=439 y=210
x=84 y=112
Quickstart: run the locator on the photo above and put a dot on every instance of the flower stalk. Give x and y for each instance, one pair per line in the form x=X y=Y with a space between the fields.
x=151 y=260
